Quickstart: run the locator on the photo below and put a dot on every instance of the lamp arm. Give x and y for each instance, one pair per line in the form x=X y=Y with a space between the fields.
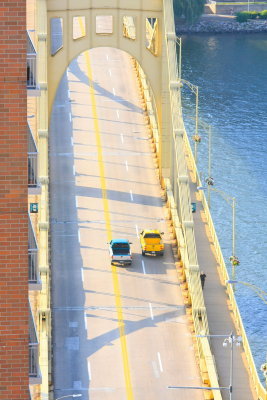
x=261 y=293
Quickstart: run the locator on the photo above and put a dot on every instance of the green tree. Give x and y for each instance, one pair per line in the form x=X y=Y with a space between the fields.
x=189 y=9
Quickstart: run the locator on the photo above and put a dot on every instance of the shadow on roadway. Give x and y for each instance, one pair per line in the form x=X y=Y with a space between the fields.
x=81 y=76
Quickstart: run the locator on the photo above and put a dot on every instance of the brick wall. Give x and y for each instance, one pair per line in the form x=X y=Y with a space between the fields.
x=14 y=370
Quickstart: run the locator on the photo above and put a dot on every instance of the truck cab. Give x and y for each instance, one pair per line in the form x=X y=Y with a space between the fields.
x=120 y=252
x=151 y=242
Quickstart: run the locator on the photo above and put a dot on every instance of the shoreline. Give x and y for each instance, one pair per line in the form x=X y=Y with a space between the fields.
x=217 y=24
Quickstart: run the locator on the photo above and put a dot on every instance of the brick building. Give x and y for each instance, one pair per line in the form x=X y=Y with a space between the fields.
x=18 y=183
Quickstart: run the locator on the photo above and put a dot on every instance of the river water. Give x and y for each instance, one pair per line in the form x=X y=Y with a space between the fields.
x=231 y=72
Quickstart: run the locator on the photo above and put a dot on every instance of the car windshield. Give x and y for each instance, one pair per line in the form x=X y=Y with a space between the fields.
x=120 y=248
x=152 y=236
x=120 y=245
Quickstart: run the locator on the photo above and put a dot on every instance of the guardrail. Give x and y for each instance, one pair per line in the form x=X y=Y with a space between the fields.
x=32 y=160
x=33 y=347
x=31 y=64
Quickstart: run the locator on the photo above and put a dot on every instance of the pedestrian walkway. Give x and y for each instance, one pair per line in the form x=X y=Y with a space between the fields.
x=219 y=315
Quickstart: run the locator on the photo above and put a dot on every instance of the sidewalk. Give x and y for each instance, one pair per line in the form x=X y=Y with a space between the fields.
x=219 y=316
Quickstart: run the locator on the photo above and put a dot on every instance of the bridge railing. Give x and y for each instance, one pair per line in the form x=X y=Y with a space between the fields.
x=179 y=199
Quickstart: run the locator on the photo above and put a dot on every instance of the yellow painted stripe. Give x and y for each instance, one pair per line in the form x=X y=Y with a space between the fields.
x=82 y=26
x=121 y=325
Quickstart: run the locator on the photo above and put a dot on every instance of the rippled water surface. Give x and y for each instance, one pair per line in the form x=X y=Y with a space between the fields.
x=231 y=72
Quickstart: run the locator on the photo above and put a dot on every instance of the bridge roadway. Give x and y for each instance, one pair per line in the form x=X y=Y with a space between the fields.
x=120 y=333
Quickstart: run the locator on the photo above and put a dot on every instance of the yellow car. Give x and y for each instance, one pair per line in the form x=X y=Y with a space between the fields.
x=151 y=242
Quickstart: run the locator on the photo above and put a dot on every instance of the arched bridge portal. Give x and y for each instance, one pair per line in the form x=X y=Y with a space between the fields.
x=134 y=26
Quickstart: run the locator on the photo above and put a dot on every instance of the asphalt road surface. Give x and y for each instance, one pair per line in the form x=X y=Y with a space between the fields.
x=119 y=333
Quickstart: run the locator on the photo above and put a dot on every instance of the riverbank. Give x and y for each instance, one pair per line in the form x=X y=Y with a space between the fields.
x=214 y=23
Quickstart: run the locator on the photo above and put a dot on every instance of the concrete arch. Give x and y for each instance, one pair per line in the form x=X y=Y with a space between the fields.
x=152 y=65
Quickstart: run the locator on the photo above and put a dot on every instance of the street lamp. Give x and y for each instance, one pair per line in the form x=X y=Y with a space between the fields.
x=178 y=41
x=231 y=201
x=229 y=339
x=69 y=395
x=193 y=88
x=196 y=137
x=207 y=128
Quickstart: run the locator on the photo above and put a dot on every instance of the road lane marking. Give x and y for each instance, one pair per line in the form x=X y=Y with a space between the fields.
x=76 y=201
x=71 y=141
x=118 y=115
x=107 y=56
x=68 y=94
x=109 y=72
x=151 y=311
x=82 y=274
x=85 y=321
x=160 y=364
x=122 y=138
x=131 y=195
x=70 y=116
x=143 y=266
x=126 y=165
x=155 y=369
x=79 y=235
x=89 y=370
x=137 y=231
x=118 y=303
x=73 y=170
x=113 y=90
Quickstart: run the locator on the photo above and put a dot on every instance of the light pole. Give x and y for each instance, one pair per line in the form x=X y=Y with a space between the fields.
x=207 y=128
x=194 y=89
x=178 y=41
x=229 y=339
x=232 y=202
x=196 y=137
x=69 y=395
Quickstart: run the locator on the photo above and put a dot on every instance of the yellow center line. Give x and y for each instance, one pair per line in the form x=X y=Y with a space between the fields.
x=115 y=278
